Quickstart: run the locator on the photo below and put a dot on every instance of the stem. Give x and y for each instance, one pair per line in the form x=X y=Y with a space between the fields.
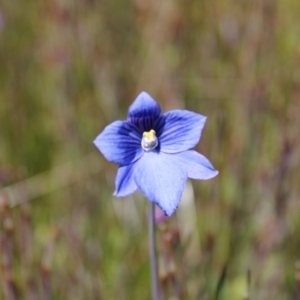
x=152 y=248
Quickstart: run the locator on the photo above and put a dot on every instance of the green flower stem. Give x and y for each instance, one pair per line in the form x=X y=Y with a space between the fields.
x=152 y=248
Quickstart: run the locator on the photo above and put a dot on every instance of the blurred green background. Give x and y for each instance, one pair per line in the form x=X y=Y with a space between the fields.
x=68 y=68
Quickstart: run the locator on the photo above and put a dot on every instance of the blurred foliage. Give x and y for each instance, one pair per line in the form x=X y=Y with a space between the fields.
x=68 y=68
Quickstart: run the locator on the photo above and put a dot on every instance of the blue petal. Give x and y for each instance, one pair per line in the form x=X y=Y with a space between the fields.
x=161 y=179
x=125 y=184
x=197 y=165
x=144 y=106
x=144 y=111
x=120 y=142
x=181 y=131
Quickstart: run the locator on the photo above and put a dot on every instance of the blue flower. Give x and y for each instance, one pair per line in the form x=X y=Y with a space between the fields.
x=153 y=151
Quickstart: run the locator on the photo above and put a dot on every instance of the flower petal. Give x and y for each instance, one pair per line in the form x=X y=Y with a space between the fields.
x=125 y=184
x=120 y=142
x=144 y=106
x=144 y=111
x=161 y=179
x=182 y=131
x=197 y=165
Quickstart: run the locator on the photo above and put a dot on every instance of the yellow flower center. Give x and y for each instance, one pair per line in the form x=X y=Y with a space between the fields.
x=149 y=140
